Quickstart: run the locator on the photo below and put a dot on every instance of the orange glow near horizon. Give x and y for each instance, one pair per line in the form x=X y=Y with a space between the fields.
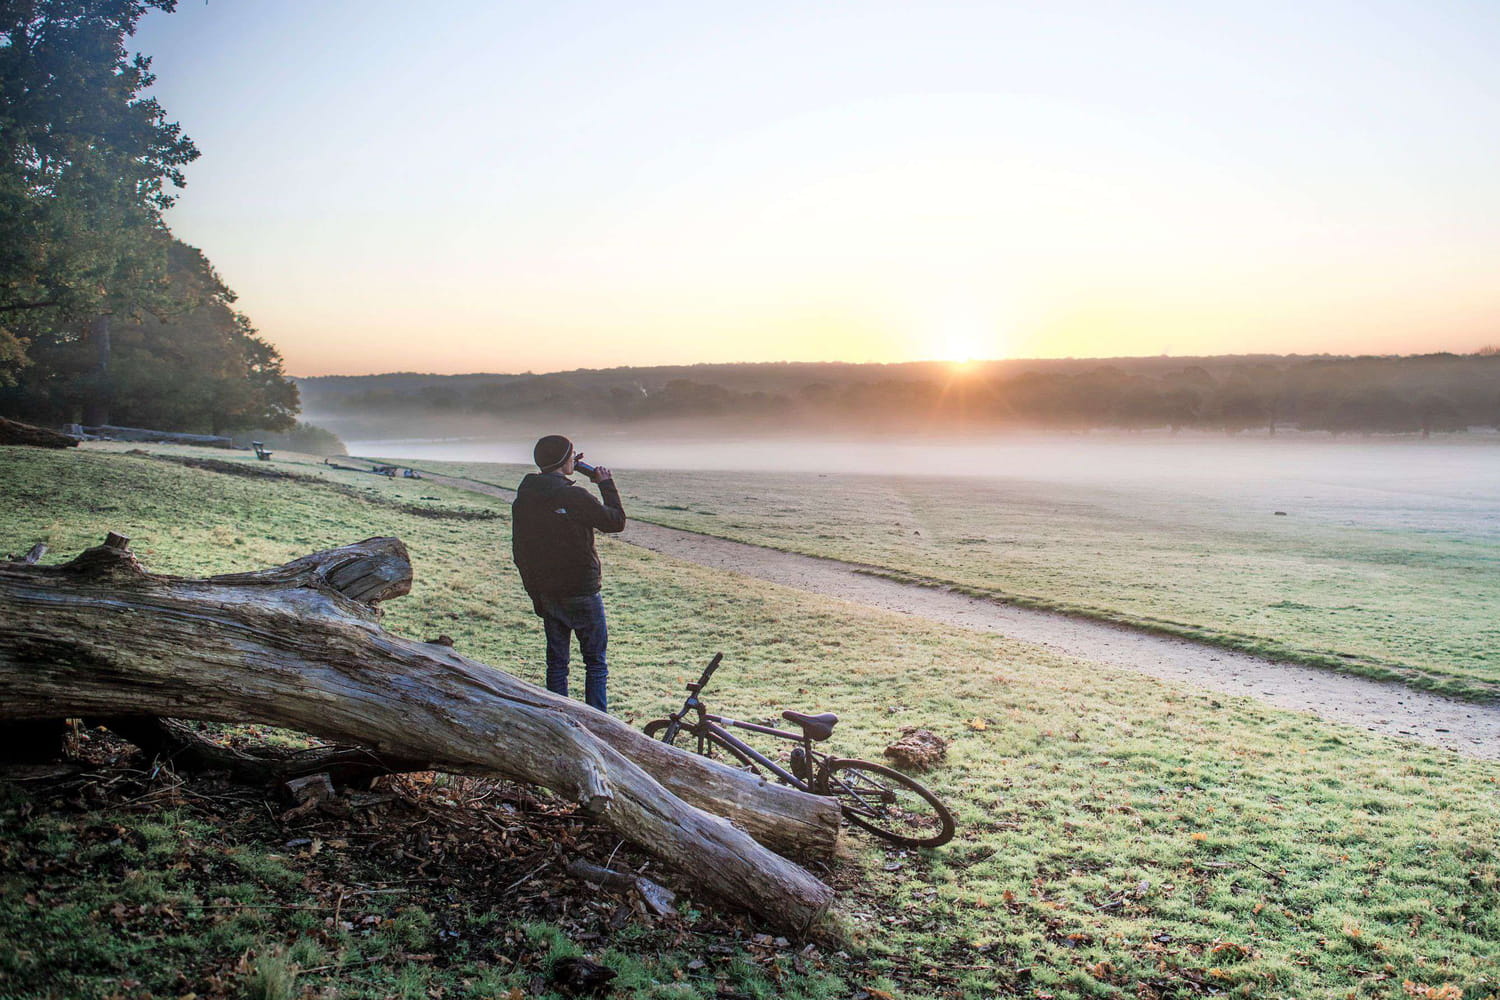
x=822 y=303
x=397 y=339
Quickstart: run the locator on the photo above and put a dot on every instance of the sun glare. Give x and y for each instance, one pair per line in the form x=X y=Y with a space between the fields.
x=959 y=328
x=961 y=344
x=958 y=350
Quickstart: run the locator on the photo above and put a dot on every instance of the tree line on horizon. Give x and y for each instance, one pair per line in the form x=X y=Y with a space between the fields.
x=1423 y=394
x=106 y=317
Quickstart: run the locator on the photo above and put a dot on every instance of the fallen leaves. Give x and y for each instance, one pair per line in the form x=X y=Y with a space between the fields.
x=1446 y=991
x=1229 y=949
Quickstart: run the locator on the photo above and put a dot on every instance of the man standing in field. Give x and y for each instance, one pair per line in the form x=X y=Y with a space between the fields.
x=552 y=540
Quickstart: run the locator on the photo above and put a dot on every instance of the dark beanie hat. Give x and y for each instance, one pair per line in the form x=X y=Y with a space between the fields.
x=552 y=451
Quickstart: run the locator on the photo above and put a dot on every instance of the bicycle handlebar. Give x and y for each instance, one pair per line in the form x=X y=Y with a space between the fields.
x=708 y=672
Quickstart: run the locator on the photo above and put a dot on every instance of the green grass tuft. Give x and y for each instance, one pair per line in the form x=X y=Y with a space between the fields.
x=272 y=976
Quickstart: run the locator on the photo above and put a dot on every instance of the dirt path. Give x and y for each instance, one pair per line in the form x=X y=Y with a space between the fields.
x=1393 y=709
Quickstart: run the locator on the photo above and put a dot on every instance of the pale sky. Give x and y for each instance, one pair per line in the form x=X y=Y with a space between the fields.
x=498 y=186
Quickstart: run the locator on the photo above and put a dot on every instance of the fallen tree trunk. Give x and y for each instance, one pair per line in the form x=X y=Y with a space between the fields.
x=300 y=646
x=13 y=432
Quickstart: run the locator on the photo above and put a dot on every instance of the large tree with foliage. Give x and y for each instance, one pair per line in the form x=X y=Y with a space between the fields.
x=101 y=310
x=86 y=167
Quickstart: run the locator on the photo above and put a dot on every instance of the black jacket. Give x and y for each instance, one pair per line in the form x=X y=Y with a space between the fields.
x=552 y=533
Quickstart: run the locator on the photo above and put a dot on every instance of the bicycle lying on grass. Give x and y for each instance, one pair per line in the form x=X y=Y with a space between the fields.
x=872 y=796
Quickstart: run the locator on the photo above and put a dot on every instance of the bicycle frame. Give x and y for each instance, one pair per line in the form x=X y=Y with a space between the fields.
x=716 y=725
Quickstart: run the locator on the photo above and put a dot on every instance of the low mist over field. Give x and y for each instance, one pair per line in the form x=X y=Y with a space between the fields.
x=1452 y=484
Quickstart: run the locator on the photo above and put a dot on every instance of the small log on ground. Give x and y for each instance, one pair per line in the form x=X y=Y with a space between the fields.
x=657 y=898
x=300 y=646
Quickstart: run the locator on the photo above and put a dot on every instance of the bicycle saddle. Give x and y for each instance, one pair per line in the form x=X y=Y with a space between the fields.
x=817 y=727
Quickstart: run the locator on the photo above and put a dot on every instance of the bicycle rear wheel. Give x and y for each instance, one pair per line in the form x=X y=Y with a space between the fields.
x=704 y=744
x=886 y=802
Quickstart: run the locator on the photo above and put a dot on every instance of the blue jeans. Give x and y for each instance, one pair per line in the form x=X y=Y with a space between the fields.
x=561 y=617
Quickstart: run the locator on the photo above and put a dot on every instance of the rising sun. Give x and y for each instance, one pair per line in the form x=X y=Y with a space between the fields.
x=961 y=348
x=959 y=334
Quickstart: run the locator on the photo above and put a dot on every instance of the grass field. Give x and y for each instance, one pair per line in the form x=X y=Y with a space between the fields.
x=1394 y=583
x=1118 y=836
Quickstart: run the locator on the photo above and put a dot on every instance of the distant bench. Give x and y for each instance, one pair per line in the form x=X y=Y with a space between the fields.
x=380 y=470
x=260 y=451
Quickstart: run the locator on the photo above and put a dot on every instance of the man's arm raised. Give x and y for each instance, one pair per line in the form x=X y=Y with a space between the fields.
x=608 y=516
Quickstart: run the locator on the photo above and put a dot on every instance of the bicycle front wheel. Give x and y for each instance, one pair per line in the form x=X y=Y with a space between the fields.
x=704 y=744
x=886 y=802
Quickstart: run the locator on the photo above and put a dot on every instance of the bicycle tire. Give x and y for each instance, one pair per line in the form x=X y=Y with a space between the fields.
x=886 y=802
x=708 y=745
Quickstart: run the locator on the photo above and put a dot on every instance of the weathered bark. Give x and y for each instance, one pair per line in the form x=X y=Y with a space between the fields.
x=300 y=646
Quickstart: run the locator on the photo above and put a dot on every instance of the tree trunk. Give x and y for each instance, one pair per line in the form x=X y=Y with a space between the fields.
x=96 y=407
x=300 y=646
